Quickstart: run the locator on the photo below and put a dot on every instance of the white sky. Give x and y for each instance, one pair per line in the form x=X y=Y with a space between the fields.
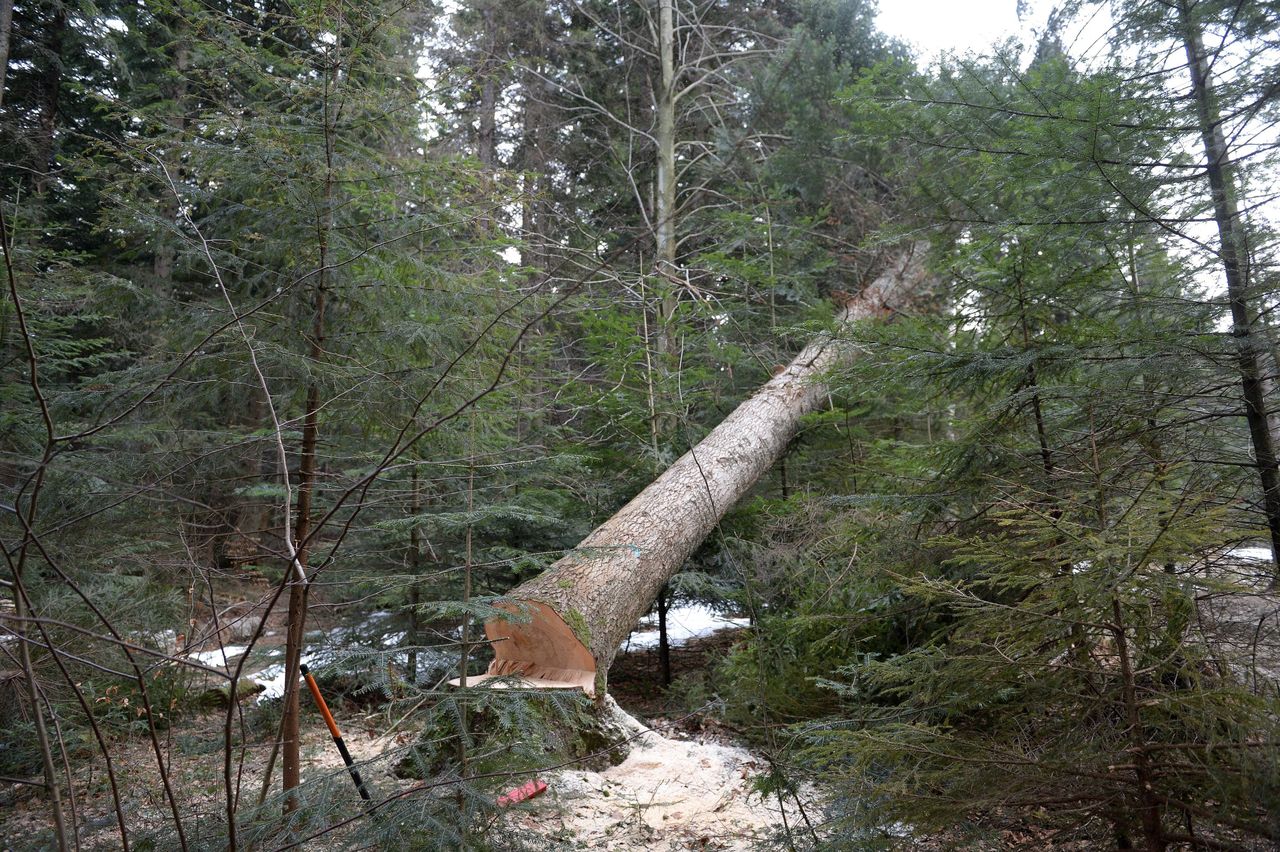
x=935 y=26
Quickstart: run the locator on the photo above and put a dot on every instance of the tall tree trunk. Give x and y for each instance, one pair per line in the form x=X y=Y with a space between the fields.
x=6 y=30
x=534 y=164
x=47 y=117
x=175 y=91
x=533 y=223
x=1249 y=342
x=487 y=120
x=291 y=761
x=571 y=619
x=664 y=202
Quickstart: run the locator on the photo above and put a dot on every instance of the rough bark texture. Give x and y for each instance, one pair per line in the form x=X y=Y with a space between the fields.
x=6 y=27
x=666 y=242
x=1250 y=340
x=583 y=607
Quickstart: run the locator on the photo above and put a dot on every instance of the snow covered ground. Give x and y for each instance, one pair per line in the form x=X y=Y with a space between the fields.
x=370 y=637
x=686 y=622
x=224 y=656
x=1251 y=553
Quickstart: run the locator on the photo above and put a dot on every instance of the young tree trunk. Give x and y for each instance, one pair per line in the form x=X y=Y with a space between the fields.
x=1149 y=806
x=412 y=636
x=1249 y=342
x=291 y=759
x=664 y=644
x=568 y=622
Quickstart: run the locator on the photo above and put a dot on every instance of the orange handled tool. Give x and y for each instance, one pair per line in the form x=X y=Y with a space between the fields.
x=333 y=729
x=522 y=793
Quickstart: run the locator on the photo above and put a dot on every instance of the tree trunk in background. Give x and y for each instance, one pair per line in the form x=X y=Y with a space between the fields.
x=6 y=28
x=533 y=163
x=487 y=120
x=251 y=516
x=175 y=92
x=1250 y=340
x=664 y=643
x=47 y=120
x=664 y=206
x=665 y=135
x=571 y=619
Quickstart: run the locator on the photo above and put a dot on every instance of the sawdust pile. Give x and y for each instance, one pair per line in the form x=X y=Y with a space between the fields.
x=668 y=794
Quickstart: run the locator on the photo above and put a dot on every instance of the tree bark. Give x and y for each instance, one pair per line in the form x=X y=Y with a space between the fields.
x=1249 y=343
x=664 y=644
x=487 y=122
x=6 y=28
x=291 y=757
x=664 y=205
x=487 y=131
x=47 y=115
x=175 y=92
x=568 y=622
x=413 y=635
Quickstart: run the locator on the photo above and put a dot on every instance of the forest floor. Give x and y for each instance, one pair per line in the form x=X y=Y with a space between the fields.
x=687 y=783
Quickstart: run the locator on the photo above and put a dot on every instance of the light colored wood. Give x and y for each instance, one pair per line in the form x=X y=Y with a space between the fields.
x=540 y=653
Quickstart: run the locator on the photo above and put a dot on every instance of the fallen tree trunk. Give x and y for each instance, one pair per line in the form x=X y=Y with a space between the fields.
x=570 y=620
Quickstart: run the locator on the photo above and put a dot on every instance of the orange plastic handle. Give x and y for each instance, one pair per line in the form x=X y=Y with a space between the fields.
x=324 y=708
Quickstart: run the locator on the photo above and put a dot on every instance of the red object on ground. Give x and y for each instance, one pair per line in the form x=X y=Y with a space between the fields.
x=522 y=793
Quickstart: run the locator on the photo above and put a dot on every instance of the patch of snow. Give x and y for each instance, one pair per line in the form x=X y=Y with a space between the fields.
x=272 y=677
x=1251 y=554
x=218 y=656
x=686 y=622
x=163 y=640
x=355 y=643
x=272 y=680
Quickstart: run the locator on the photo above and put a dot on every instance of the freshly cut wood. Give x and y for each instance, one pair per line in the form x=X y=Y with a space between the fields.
x=568 y=622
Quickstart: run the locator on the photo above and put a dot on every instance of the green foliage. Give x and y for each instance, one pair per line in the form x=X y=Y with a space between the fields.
x=992 y=579
x=1003 y=617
